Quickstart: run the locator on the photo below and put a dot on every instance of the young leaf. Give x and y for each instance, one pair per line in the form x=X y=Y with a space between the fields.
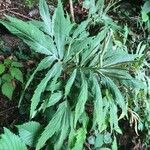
x=10 y=141
x=83 y=96
x=16 y=73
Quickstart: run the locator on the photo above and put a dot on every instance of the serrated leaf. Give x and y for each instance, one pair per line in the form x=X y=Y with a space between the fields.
x=2 y=68
x=17 y=74
x=54 y=98
x=70 y=82
x=8 y=89
x=61 y=28
x=44 y=12
x=53 y=126
x=98 y=104
x=41 y=87
x=10 y=141
x=44 y=64
x=82 y=98
x=29 y=132
x=30 y=35
x=64 y=130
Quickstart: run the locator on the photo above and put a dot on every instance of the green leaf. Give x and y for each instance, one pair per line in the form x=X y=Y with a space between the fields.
x=116 y=92
x=64 y=130
x=44 y=64
x=29 y=132
x=2 y=68
x=98 y=105
x=16 y=64
x=44 y=12
x=146 y=6
x=114 y=144
x=80 y=29
x=8 y=89
x=30 y=35
x=53 y=126
x=70 y=82
x=54 y=98
x=16 y=73
x=80 y=139
x=61 y=28
x=145 y=16
x=10 y=141
x=41 y=87
x=7 y=77
x=82 y=98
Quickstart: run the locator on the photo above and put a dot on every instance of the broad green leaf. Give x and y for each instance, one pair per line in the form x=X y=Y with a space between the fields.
x=44 y=12
x=2 y=68
x=8 y=89
x=10 y=141
x=146 y=6
x=7 y=77
x=29 y=132
x=16 y=73
x=41 y=87
x=53 y=126
x=82 y=98
x=30 y=35
x=70 y=82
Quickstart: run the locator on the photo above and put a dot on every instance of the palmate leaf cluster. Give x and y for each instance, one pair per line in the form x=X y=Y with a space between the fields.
x=80 y=70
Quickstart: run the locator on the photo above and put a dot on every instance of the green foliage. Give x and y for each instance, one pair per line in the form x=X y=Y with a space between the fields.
x=11 y=141
x=79 y=70
x=9 y=73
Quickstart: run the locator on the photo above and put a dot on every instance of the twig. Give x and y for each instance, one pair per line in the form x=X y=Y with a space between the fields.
x=11 y=108
x=7 y=9
x=21 y=15
x=88 y=146
x=71 y=10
